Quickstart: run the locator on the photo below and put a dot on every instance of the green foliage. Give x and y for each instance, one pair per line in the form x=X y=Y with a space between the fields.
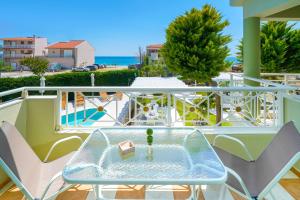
x=4 y=68
x=280 y=48
x=109 y=78
x=149 y=131
x=149 y=140
x=37 y=65
x=154 y=70
x=195 y=46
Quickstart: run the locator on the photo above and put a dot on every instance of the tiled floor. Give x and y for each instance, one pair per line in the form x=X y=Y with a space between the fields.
x=287 y=189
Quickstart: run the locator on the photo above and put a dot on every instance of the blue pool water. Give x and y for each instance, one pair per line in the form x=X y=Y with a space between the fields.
x=117 y=60
x=80 y=117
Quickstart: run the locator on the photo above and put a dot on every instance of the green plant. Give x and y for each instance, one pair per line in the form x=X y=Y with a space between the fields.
x=154 y=70
x=149 y=131
x=280 y=49
x=108 y=78
x=37 y=65
x=4 y=68
x=196 y=47
x=149 y=136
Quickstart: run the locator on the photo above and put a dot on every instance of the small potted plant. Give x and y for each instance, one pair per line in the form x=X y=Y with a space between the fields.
x=149 y=141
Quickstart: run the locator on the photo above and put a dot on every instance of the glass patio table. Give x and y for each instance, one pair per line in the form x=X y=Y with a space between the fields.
x=179 y=156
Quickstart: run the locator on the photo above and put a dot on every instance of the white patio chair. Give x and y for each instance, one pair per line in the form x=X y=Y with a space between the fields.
x=37 y=180
x=256 y=178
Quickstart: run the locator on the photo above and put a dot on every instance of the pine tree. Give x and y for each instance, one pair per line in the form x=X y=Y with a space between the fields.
x=195 y=46
x=280 y=48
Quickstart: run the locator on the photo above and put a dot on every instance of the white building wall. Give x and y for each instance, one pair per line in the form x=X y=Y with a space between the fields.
x=84 y=54
x=40 y=45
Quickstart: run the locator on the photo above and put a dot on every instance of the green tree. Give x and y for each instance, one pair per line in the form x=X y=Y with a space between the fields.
x=195 y=46
x=4 y=68
x=37 y=65
x=280 y=48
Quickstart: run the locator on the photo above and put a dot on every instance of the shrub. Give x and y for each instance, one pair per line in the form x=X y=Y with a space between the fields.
x=109 y=78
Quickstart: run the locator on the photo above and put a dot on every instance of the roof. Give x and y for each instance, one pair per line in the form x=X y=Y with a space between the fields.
x=158 y=82
x=65 y=45
x=154 y=46
x=19 y=38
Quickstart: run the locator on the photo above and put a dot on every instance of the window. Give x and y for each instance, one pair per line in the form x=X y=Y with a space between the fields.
x=29 y=42
x=68 y=53
x=22 y=51
x=22 y=42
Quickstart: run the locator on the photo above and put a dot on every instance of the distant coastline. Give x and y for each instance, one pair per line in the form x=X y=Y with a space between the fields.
x=124 y=61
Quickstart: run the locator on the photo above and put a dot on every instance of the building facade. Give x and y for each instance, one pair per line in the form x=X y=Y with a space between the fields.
x=152 y=51
x=73 y=53
x=17 y=48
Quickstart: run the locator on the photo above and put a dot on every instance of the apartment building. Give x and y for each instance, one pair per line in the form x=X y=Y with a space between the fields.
x=72 y=53
x=152 y=51
x=16 y=48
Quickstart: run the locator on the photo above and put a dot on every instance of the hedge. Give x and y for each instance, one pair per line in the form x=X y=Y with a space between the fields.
x=108 y=78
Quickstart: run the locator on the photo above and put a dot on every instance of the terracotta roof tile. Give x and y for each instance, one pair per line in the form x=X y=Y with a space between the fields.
x=155 y=46
x=65 y=45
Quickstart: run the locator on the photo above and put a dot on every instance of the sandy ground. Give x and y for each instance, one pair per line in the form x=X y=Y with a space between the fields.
x=16 y=74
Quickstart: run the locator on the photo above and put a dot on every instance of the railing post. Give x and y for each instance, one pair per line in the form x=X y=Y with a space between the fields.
x=24 y=94
x=58 y=104
x=231 y=80
x=281 y=95
x=42 y=84
x=169 y=118
x=92 y=79
x=285 y=79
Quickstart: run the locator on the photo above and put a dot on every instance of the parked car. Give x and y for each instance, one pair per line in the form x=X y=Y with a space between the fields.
x=92 y=67
x=55 y=67
x=97 y=65
x=80 y=69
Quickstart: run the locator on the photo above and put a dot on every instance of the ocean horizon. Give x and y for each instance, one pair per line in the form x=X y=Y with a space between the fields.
x=125 y=61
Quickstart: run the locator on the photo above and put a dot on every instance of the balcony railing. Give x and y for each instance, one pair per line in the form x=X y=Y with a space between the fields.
x=22 y=55
x=59 y=56
x=21 y=46
x=226 y=107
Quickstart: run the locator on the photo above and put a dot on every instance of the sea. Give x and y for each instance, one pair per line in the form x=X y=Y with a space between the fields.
x=124 y=61
x=120 y=61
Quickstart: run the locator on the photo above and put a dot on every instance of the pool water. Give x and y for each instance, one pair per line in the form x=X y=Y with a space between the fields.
x=80 y=117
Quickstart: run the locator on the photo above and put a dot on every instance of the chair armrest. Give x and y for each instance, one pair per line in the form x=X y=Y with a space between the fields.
x=242 y=144
x=59 y=174
x=59 y=142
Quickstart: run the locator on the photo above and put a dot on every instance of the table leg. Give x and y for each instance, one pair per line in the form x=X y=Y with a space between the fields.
x=194 y=192
x=222 y=192
x=98 y=193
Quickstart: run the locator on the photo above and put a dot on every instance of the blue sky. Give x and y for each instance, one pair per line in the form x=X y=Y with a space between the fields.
x=113 y=27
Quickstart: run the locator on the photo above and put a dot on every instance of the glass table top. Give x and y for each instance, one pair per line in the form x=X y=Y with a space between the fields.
x=177 y=156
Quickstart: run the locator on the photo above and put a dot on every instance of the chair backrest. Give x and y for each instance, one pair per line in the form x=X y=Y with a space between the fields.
x=18 y=160
x=284 y=146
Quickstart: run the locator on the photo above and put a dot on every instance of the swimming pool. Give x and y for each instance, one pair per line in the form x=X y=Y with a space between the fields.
x=80 y=117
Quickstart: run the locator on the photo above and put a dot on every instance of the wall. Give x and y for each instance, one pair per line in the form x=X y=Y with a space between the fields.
x=68 y=61
x=84 y=53
x=40 y=45
x=54 y=52
x=41 y=122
